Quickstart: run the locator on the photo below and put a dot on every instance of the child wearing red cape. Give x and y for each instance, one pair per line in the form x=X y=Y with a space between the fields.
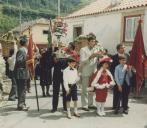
x=102 y=81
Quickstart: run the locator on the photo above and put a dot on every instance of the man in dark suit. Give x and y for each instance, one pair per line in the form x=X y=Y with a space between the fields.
x=120 y=52
x=22 y=73
x=46 y=64
x=59 y=65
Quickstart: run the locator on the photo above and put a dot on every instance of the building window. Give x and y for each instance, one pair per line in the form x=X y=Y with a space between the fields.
x=130 y=27
x=77 y=31
x=45 y=31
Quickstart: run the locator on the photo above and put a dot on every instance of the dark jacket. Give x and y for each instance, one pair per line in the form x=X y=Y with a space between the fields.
x=59 y=66
x=115 y=62
x=21 y=70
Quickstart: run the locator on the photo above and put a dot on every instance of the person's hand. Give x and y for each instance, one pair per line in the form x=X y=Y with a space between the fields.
x=90 y=89
x=101 y=86
x=130 y=67
x=119 y=88
x=125 y=67
x=94 y=55
x=133 y=69
x=55 y=60
x=100 y=52
x=112 y=83
x=67 y=92
x=107 y=85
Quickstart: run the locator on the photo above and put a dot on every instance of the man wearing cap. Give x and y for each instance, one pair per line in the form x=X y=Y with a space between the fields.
x=22 y=73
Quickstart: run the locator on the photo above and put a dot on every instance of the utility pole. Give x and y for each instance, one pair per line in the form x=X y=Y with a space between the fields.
x=20 y=16
x=59 y=9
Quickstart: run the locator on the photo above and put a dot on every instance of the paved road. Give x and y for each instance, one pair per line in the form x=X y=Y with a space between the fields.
x=10 y=118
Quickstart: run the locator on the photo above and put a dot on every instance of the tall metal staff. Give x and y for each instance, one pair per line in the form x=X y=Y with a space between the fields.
x=50 y=38
x=20 y=16
x=36 y=94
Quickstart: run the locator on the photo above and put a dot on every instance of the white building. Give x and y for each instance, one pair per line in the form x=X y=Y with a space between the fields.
x=39 y=29
x=113 y=22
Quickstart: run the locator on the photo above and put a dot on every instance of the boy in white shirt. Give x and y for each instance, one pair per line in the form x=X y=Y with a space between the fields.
x=70 y=77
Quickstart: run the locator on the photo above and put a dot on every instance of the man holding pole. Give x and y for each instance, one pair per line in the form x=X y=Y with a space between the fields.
x=22 y=73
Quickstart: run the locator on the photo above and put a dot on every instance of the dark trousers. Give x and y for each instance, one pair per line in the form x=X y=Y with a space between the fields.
x=21 y=89
x=123 y=97
x=13 y=92
x=115 y=96
x=56 y=90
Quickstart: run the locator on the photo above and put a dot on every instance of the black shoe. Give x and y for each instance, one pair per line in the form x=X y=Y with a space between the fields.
x=113 y=108
x=53 y=111
x=19 y=108
x=64 y=110
x=43 y=95
x=49 y=95
x=125 y=112
x=28 y=90
x=25 y=108
x=77 y=115
x=85 y=109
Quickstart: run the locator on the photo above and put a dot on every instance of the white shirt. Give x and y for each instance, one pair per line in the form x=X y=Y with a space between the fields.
x=12 y=59
x=70 y=77
x=87 y=66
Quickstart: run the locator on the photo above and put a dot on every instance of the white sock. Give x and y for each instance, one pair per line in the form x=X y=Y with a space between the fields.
x=102 y=108
x=98 y=105
x=68 y=112
x=75 y=110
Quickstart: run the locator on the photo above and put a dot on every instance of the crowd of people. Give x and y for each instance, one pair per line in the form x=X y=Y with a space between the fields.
x=64 y=67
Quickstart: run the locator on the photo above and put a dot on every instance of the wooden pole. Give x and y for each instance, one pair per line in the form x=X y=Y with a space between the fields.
x=36 y=94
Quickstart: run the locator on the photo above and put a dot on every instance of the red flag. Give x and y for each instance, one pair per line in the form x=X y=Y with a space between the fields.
x=30 y=55
x=137 y=57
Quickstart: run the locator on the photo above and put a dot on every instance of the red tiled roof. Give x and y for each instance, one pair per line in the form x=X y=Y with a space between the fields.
x=102 y=6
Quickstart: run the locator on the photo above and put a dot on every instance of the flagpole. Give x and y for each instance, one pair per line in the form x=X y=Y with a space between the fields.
x=50 y=33
x=20 y=16
x=36 y=94
x=36 y=91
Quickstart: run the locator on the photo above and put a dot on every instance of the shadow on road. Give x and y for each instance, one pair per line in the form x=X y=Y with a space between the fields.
x=111 y=114
x=8 y=111
x=45 y=114
x=139 y=100
x=52 y=117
